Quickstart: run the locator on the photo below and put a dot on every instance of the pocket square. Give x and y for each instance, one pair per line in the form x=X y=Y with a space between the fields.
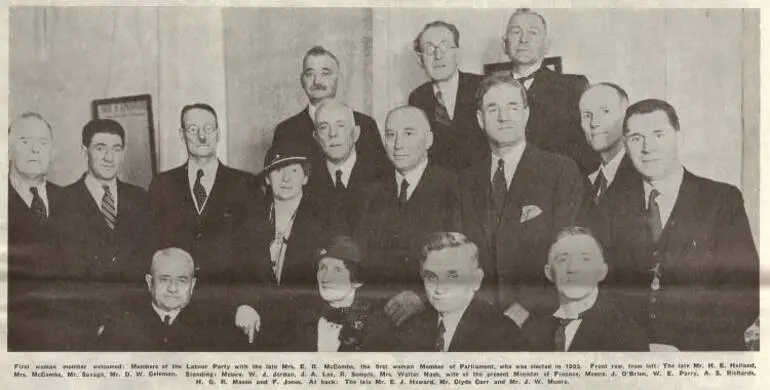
x=528 y=212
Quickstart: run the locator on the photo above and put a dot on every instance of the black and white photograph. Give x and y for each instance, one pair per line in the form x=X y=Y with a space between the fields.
x=385 y=179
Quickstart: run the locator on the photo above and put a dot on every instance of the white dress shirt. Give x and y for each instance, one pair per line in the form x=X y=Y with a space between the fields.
x=413 y=177
x=572 y=310
x=207 y=180
x=95 y=188
x=162 y=313
x=669 y=191
x=346 y=167
x=527 y=72
x=448 y=90
x=25 y=192
x=451 y=320
x=510 y=163
x=610 y=170
x=328 y=335
x=311 y=109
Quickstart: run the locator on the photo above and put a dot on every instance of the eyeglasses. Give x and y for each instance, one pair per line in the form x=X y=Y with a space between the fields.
x=194 y=130
x=431 y=49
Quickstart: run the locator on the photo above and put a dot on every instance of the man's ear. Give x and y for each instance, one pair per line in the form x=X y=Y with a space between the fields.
x=548 y=271
x=478 y=277
x=148 y=279
x=429 y=140
x=356 y=133
x=526 y=115
x=192 y=285
x=480 y=118
x=603 y=272
x=546 y=46
x=419 y=59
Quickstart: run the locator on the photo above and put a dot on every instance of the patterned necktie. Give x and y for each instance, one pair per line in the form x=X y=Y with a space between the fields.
x=442 y=114
x=499 y=189
x=338 y=185
x=600 y=186
x=37 y=205
x=108 y=207
x=167 y=320
x=199 y=191
x=653 y=215
x=402 y=193
x=440 y=336
x=560 y=337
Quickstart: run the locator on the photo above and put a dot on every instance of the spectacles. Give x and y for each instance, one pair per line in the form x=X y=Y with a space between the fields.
x=431 y=49
x=194 y=130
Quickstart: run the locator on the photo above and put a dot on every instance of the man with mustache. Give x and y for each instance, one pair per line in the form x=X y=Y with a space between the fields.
x=319 y=79
x=683 y=255
x=554 y=121
x=448 y=98
x=200 y=206
x=33 y=205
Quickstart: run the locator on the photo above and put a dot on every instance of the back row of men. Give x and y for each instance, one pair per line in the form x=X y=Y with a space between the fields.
x=495 y=158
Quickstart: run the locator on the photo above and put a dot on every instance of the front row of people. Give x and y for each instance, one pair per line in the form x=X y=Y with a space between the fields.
x=345 y=316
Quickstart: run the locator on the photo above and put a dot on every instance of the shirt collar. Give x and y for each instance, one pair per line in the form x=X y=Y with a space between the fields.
x=22 y=187
x=162 y=313
x=311 y=108
x=209 y=171
x=452 y=319
x=510 y=160
x=668 y=186
x=572 y=310
x=449 y=87
x=530 y=70
x=611 y=169
x=346 y=166
x=412 y=177
x=96 y=185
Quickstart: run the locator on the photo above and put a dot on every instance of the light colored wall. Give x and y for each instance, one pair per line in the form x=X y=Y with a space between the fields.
x=264 y=50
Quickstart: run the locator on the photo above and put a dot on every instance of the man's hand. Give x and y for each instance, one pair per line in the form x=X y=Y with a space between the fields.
x=517 y=313
x=403 y=306
x=247 y=319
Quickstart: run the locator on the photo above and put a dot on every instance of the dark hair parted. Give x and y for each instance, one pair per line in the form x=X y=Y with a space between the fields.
x=198 y=106
x=492 y=81
x=319 y=51
x=437 y=23
x=648 y=106
x=97 y=126
x=442 y=240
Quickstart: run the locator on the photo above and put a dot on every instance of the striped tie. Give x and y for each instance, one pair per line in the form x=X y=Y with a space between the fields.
x=108 y=207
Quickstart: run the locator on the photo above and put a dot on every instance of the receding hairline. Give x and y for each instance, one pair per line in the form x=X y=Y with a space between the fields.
x=420 y=112
x=172 y=253
x=30 y=115
x=526 y=11
x=566 y=234
x=330 y=104
x=619 y=92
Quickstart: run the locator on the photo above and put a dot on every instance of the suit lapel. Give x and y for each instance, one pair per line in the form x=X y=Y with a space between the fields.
x=480 y=193
x=466 y=332
x=218 y=190
x=465 y=100
x=675 y=235
x=521 y=182
x=93 y=212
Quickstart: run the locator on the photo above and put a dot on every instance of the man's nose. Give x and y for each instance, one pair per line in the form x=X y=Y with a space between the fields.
x=503 y=115
x=524 y=37
x=172 y=287
x=110 y=155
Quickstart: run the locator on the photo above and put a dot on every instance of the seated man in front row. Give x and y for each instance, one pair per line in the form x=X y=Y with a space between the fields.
x=459 y=321
x=169 y=322
x=586 y=319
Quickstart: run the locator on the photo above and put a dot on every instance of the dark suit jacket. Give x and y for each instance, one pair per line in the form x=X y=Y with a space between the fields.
x=554 y=117
x=32 y=245
x=605 y=328
x=211 y=236
x=625 y=176
x=138 y=328
x=458 y=146
x=91 y=250
x=513 y=253
x=391 y=235
x=344 y=207
x=709 y=265
x=299 y=129
x=482 y=328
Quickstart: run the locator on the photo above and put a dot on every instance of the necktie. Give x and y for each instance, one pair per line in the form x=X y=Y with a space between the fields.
x=441 y=114
x=108 y=207
x=499 y=189
x=653 y=215
x=600 y=186
x=522 y=80
x=560 y=337
x=167 y=320
x=37 y=205
x=199 y=191
x=338 y=185
x=402 y=193
x=440 y=336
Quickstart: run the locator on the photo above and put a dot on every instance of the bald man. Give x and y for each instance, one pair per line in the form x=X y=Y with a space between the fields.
x=169 y=322
x=340 y=179
x=412 y=200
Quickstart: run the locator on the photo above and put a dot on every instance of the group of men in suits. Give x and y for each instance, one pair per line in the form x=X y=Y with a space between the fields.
x=506 y=162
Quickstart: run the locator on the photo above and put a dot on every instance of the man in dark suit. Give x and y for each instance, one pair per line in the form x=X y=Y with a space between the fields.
x=587 y=319
x=111 y=217
x=169 y=322
x=33 y=204
x=602 y=108
x=339 y=181
x=200 y=205
x=681 y=244
x=320 y=70
x=413 y=200
x=513 y=202
x=449 y=98
x=457 y=320
x=554 y=121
